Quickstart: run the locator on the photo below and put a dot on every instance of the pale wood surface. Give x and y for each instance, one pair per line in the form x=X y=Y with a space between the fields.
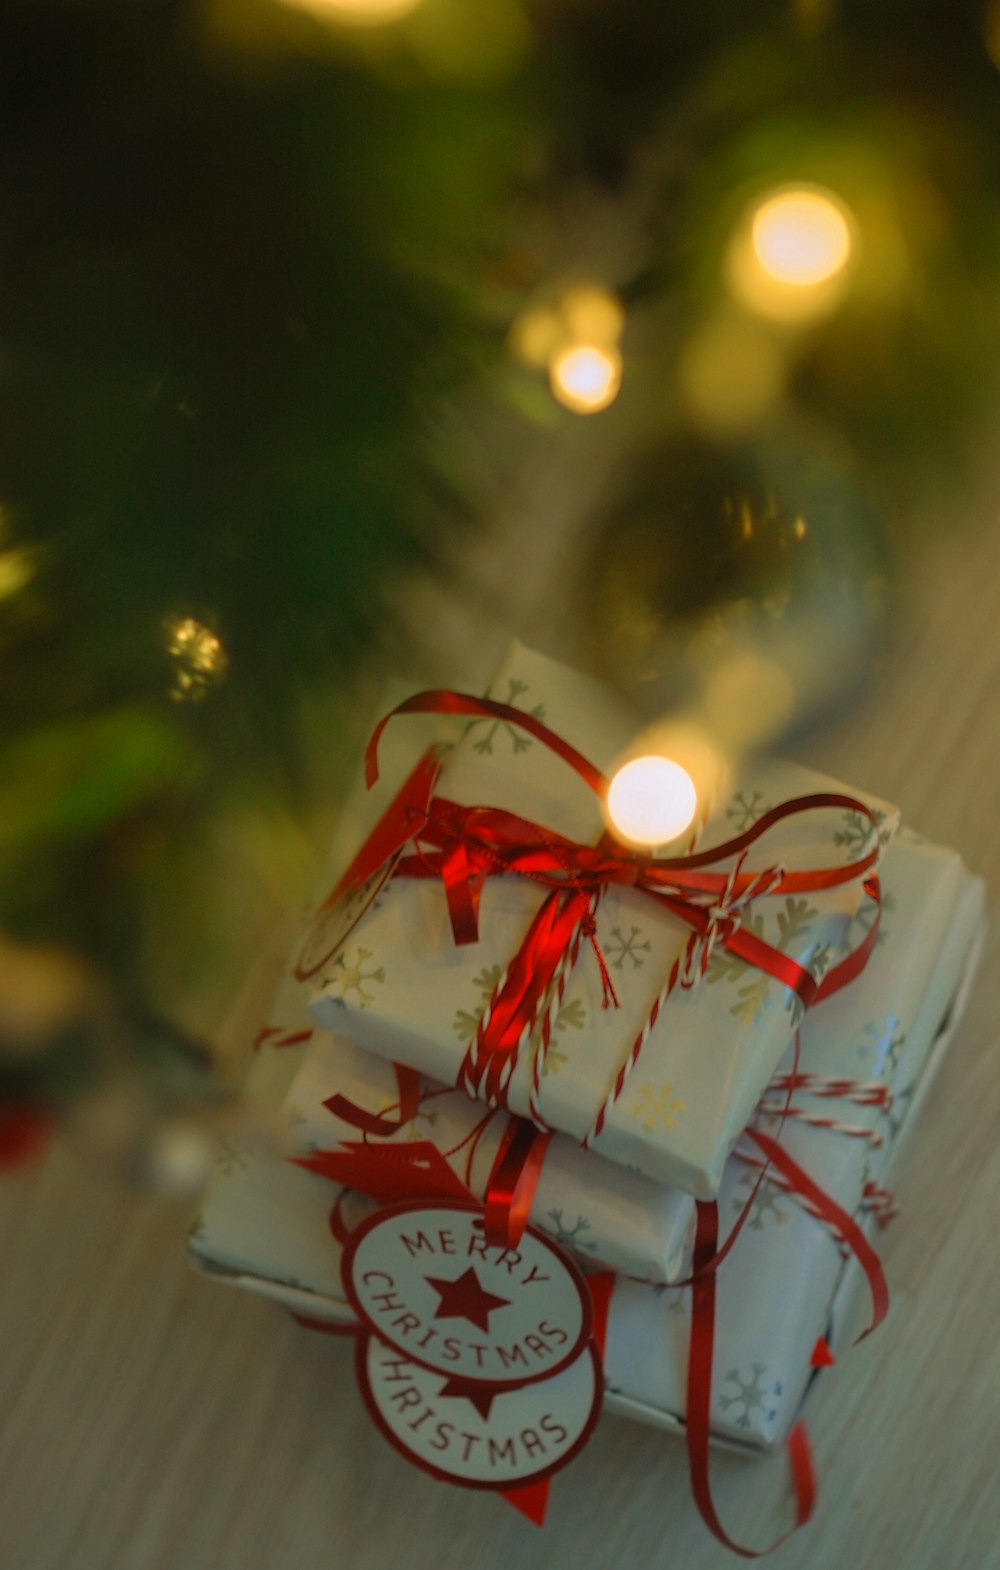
x=153 y=1421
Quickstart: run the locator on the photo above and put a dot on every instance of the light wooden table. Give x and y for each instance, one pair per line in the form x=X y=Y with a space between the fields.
x=153 y=1421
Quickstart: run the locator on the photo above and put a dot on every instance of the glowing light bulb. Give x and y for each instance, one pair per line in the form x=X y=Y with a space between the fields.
x=651 y=800
x=801 y=237
x=586 y=378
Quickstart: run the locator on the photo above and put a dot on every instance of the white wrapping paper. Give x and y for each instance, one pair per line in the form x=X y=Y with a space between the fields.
x=776 y=1290
x=400 y=986
x=602 y=1212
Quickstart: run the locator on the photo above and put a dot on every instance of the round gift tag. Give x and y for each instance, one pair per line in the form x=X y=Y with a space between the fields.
x=425 y=1279
x=331 y=927
x=477 y=1435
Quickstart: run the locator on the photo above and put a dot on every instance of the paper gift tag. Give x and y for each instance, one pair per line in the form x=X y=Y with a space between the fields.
x=474 y=1434
x=423 y=1277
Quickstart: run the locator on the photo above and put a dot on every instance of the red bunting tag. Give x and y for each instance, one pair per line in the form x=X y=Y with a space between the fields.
x=426 y=1279
x=477 y=1435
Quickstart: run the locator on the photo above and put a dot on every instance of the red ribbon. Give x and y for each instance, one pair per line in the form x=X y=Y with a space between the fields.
x=462 y=846
x=702 y=1344
x=380 y=1124
x=510 y=1188
x=699 y=1391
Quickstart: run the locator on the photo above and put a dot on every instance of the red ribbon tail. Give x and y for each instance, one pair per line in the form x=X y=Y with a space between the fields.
x=699 y=1393
x=380 y=1124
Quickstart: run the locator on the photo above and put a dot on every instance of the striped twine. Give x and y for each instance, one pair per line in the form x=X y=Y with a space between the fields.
x=542 y=1039
x=687 y=970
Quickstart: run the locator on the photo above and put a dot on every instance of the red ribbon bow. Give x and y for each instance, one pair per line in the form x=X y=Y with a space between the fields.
x=463 y=846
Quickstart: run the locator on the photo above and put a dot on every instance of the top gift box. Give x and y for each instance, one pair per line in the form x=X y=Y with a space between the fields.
x=492 y=935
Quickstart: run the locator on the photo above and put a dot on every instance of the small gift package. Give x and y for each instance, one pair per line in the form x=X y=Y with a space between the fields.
x=843 y=1104
x=866 y=1059
x=607 y=1214
x=501 y=941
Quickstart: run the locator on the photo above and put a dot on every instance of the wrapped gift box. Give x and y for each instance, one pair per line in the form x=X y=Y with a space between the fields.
x=603 y=1212
x=778 y=1290
x=264 y=1222
x=401 y=987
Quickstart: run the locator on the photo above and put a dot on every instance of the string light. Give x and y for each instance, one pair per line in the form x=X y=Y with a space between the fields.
x=199 y=659
x=792 y=256
x=651 y=800
x=575 y=335
x=586 y=378
x=801 y=237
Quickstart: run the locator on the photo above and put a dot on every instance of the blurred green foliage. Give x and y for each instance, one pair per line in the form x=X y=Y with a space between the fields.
x=245 y=260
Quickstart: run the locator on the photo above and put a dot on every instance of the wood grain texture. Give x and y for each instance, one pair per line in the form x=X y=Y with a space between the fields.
x=153 y=1421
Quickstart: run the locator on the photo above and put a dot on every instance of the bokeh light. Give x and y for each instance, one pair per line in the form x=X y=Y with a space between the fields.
x=732 y=375
x=652 y=800
x=574 y=334
x=801 y=238
x=586 y=378
x=793 y=255
x=199 y=659
x=593 y=315
x=17 y=568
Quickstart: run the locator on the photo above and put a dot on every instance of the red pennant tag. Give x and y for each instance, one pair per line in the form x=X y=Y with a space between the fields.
x=388 y=1172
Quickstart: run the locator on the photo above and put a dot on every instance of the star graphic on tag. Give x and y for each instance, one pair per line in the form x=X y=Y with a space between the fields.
x=465 y=1298
x=481 y=1396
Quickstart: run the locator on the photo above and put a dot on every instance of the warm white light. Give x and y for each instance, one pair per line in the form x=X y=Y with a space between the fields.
x=801 y=238
x=651 y=800
x=586 y=378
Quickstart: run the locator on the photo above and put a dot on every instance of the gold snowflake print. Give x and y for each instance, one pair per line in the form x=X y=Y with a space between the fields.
x=657 y=1107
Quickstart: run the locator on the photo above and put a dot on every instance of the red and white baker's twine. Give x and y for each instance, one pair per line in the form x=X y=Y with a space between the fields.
x=863 y=1093
x=688 y=970
x=876 y=1198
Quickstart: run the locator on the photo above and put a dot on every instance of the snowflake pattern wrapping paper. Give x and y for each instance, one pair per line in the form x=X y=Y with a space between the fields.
x=401 y=987
x=599 y=1210
x=263 y=1224
x=778 y=1289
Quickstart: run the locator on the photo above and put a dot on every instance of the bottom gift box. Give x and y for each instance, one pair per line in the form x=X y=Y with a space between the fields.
x=264 y=1223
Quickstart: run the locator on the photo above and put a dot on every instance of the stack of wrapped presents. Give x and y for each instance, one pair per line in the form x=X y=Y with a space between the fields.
x=733 y=1035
